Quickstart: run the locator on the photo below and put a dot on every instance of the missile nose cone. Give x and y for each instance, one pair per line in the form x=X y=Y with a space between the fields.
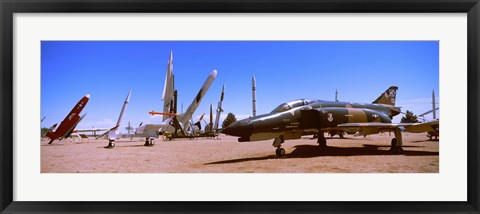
x=128 y=96
x=214 y=73
x=87 y=96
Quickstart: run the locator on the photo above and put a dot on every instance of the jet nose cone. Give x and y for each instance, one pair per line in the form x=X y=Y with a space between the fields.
x=87 y=96
x=239 y=128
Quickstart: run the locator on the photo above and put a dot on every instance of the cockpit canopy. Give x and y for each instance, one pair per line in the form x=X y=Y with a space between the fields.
x=292 y=104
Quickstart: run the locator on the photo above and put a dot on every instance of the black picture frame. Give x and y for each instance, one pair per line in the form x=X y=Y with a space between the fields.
x=9 y=7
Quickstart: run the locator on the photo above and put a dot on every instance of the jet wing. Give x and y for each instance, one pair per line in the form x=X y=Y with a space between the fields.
x=109 y=132
x=371 y=128
x=90 y=130
x=424 y=127
x=376 y=125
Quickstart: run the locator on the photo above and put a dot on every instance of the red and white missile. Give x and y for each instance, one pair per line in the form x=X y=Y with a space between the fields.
x=70 y=122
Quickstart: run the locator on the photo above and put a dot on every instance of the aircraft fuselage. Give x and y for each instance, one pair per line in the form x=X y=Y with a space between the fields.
x=308 y=117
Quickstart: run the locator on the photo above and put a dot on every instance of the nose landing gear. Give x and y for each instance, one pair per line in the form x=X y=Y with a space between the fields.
x=277 y=142
x=322 y=142
x=280 y=152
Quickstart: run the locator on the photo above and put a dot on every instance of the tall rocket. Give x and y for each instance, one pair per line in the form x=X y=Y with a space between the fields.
x=433 y=105
x=168 y=87
x=111 y=133
x=124 y=107
x=210 y=124
x=219 y=109
x=254 y=99
x=336 y=95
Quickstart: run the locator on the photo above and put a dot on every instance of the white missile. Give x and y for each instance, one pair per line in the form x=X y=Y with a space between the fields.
x=433 y=105
x=124 y=108
x=219 y=109
x=336 y=95
x=184 y=118
x=254 y=100
x=210 y=124
x=168 y=87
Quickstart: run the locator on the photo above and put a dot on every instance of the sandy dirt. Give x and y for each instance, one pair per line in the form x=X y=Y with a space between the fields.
x=226 y=155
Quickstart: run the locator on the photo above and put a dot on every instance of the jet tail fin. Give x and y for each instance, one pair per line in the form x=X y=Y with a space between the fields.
x=387 y=97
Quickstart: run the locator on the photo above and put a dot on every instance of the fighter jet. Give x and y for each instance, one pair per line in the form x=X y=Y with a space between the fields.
x=173 y=122
x=69 y=123
x=293 y=119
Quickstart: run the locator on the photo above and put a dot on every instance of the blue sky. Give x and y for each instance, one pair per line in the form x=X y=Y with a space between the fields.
x=284 y=71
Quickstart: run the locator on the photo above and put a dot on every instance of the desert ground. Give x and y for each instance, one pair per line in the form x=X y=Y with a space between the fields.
x=226 y=155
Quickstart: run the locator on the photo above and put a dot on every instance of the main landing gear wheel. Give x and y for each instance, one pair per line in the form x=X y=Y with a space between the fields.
x=322 y=142
x=280 y=152
x=111 y=145
x=149 y=142
x=394 y=147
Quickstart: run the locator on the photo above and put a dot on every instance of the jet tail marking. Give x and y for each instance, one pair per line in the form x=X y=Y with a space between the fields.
x=388 y=97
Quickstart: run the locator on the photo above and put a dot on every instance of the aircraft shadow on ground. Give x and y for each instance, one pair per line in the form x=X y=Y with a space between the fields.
x=310 y=151
x=339 y=138
x=346 y=138
x=129 y=146
x=139 y=145
x=424 y=141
